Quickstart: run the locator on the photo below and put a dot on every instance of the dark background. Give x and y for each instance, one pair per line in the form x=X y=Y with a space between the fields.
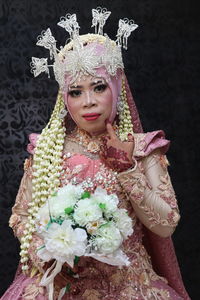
x=162 y=64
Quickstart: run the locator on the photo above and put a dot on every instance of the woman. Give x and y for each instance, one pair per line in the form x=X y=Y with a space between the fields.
x=99 y=143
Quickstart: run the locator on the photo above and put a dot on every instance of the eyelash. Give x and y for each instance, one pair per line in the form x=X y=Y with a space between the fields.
x=74 y=93
x=98 y=89
x=102 y=87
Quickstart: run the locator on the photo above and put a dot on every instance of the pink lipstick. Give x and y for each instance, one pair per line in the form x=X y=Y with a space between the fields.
x=91 y=117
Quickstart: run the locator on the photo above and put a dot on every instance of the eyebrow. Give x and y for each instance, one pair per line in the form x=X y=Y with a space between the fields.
x=91 y=84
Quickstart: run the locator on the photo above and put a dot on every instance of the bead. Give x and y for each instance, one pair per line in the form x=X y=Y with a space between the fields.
x=24 y=259
x=24 y=268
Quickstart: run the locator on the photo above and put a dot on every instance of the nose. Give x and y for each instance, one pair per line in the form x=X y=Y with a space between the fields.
x=89 y=99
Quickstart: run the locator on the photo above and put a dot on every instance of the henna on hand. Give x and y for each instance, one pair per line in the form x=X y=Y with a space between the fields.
x=115 y=153
x=116 y=159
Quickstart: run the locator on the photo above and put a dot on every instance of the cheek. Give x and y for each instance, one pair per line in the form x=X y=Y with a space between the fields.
x=107 y=101
x=72 y=106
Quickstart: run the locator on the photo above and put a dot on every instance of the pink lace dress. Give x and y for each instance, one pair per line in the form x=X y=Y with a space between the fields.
x=146 y=187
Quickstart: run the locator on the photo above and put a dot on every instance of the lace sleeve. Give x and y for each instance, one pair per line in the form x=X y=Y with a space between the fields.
x=151 y=193
x=19 y=215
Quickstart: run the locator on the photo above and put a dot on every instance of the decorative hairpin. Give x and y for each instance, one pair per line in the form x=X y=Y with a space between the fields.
x=70 y=24
x=79 y=60
x=126 y=26
x=100 y=15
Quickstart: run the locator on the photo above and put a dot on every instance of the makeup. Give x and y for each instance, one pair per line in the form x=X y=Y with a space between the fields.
x=91 y=116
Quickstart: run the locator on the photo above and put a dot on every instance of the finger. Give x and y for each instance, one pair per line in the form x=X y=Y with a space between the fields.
x=111 y=131
x=103 y=148
x=104 y=139
x=102 y=154
x=130 y=137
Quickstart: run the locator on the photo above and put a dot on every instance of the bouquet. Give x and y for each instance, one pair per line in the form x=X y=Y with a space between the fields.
x=75 y=223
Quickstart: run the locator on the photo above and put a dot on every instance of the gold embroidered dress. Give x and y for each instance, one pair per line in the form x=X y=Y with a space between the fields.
x=146 y=186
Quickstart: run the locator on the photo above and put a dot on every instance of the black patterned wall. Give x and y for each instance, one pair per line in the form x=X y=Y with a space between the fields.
x=162 y=65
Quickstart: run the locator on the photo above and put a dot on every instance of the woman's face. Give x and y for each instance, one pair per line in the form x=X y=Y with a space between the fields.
x=90 y=104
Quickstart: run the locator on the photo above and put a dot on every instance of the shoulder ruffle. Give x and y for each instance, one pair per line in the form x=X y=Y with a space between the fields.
x=145 y=143
x=33 y=137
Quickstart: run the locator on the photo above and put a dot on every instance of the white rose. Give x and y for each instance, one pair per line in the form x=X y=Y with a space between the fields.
x=71 y=192
x=62 y=242
x=110 y=202
x=66 y=196
x=87 y=211
x=108 y=238
x=57 y=206
x=123 y=222
x=92 y=227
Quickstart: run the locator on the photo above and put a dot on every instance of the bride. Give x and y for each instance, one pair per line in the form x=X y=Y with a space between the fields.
x=94 y=139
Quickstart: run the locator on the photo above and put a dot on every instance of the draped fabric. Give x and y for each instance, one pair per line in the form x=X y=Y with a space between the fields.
x=161 y=250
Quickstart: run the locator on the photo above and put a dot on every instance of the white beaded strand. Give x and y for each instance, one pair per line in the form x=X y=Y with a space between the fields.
x=125 y=123
x=46 y=173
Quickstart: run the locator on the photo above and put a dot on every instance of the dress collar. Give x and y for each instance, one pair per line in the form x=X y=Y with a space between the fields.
x=83 y=138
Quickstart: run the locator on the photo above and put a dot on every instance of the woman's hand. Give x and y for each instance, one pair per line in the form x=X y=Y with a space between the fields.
x=115 y=153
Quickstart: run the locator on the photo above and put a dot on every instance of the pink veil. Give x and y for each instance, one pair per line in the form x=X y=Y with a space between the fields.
x=160 y=249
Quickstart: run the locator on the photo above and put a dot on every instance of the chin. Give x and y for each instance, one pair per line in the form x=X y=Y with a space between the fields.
x=95 y=130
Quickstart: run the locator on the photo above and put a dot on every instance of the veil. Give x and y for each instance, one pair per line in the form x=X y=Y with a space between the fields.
x=160 y=249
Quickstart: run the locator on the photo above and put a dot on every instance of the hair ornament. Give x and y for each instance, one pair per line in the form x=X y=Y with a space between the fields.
x=47 y=41
x=70 y=24
x=74 y=59
x=100 y=15
x=81 y=61
x=126 y=26
x=63 y=113
x=39 y=65
x=112 y=58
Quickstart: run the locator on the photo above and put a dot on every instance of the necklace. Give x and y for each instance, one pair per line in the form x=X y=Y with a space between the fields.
x=90 y=143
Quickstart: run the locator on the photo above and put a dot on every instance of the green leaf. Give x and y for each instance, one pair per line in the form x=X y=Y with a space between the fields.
x=69 y=210
x=40 y=247
x=49 y=223
x=76 y=260
x=70 y=272
x=102 y=206
x=104 y=225
x=54 y=194
x=85 y=195
x=53 y=220
x=59 y=221
x=67 y=288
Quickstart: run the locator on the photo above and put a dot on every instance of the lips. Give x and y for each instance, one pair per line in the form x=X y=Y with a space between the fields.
x=91 y=116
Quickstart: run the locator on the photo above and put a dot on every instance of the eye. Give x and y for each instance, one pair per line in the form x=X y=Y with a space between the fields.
x=74 y=93
x=100 y=88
